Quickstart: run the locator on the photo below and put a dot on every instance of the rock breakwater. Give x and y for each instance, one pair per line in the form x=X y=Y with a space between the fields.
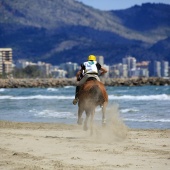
x=31 y=83
x=137 y=82
x=44 y=83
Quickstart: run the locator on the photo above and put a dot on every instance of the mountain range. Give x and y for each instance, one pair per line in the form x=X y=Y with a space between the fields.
x=57 y=31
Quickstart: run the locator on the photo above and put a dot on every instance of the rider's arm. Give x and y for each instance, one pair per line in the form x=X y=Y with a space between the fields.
x=103 y=70
x=78 y=75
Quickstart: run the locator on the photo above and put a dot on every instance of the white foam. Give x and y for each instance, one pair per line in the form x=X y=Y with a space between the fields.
x=129 y=110
x=1 y=90
x=52 y=89
x=54 y=114
x=111 y=97
x=5 y=97
x=67 y=87
x=41 y=97
x=144 y=97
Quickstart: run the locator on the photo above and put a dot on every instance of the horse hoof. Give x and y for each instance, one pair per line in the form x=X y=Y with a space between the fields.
x=104 y=121
x=80 y=121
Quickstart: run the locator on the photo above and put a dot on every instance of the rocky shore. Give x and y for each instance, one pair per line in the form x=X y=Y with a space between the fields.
x=30 y=83
x=155 y=81
x=44 y=83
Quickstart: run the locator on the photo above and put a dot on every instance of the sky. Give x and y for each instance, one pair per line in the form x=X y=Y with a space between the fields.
x=118 y=4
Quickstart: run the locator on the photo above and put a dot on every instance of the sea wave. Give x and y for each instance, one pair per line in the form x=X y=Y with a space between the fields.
x=144 y=97
x=52 y=89
x=67 y=87
x=2 y=90
x=54 y=114
x=111 y=97
x=41 y=97
x=5 y=97
x=129 y=110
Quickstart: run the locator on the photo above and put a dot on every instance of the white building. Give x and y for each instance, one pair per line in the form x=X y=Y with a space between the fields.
x=164 y=68
x=71 y=68
x=58 y=73
x=140 y=72
x=131 y=64
x=6 y=65
x=45 y=68
x=100 y=60
x=21 y=63
x=118 y=71
x=157 y=68
x=106 y=75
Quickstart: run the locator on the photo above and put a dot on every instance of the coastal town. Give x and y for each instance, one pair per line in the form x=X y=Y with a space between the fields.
x=41 y=74
x=128 y=68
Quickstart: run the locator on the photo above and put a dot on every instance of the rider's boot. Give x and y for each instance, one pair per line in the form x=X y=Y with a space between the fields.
x=76 y=96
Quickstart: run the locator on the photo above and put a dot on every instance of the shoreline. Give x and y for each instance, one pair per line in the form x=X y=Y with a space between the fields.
x=51 y=82
x=54 y=146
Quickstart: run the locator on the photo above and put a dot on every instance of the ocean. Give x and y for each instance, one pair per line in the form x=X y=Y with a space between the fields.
x=144 y=107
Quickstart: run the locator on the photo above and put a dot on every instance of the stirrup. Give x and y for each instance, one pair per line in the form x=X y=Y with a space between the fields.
x=75 y=101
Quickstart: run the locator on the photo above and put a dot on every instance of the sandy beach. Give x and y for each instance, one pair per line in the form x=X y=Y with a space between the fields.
x=35 y=146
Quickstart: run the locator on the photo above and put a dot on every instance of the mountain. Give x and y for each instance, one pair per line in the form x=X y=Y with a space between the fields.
x=161 y=48
x=58 y=31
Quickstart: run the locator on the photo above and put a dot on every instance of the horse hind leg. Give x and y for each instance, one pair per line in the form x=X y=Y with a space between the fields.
x=91 y=115
x=80 y=119
x=86 y=121
x=91 y=123
x=104 y=114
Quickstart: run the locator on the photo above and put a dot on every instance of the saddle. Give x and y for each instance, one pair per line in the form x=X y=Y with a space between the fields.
x=91 y=78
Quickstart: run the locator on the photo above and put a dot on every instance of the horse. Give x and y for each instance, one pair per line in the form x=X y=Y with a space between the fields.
x=91 y=94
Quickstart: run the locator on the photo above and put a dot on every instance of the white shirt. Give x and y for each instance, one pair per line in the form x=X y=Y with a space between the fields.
x=90 y=67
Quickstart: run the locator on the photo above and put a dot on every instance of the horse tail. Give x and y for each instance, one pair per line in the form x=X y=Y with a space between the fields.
x=97 y=92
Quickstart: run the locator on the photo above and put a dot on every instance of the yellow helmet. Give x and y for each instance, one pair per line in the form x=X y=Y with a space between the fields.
x=92 y=57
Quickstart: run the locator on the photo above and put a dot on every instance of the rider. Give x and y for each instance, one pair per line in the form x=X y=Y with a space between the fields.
x=88 y=69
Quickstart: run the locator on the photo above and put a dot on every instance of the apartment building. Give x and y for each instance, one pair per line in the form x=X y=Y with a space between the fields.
x=164 y=68
x=131 y=65
x=157 y=68
x=100 y=59
x=5 y=61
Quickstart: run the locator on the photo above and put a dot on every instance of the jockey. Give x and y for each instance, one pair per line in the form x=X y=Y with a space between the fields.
x=88 y=69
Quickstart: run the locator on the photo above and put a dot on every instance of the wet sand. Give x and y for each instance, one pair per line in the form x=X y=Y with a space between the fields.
x=52 y=146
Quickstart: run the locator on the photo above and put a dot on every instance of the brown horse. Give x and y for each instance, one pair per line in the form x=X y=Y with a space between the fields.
x=91 y=95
